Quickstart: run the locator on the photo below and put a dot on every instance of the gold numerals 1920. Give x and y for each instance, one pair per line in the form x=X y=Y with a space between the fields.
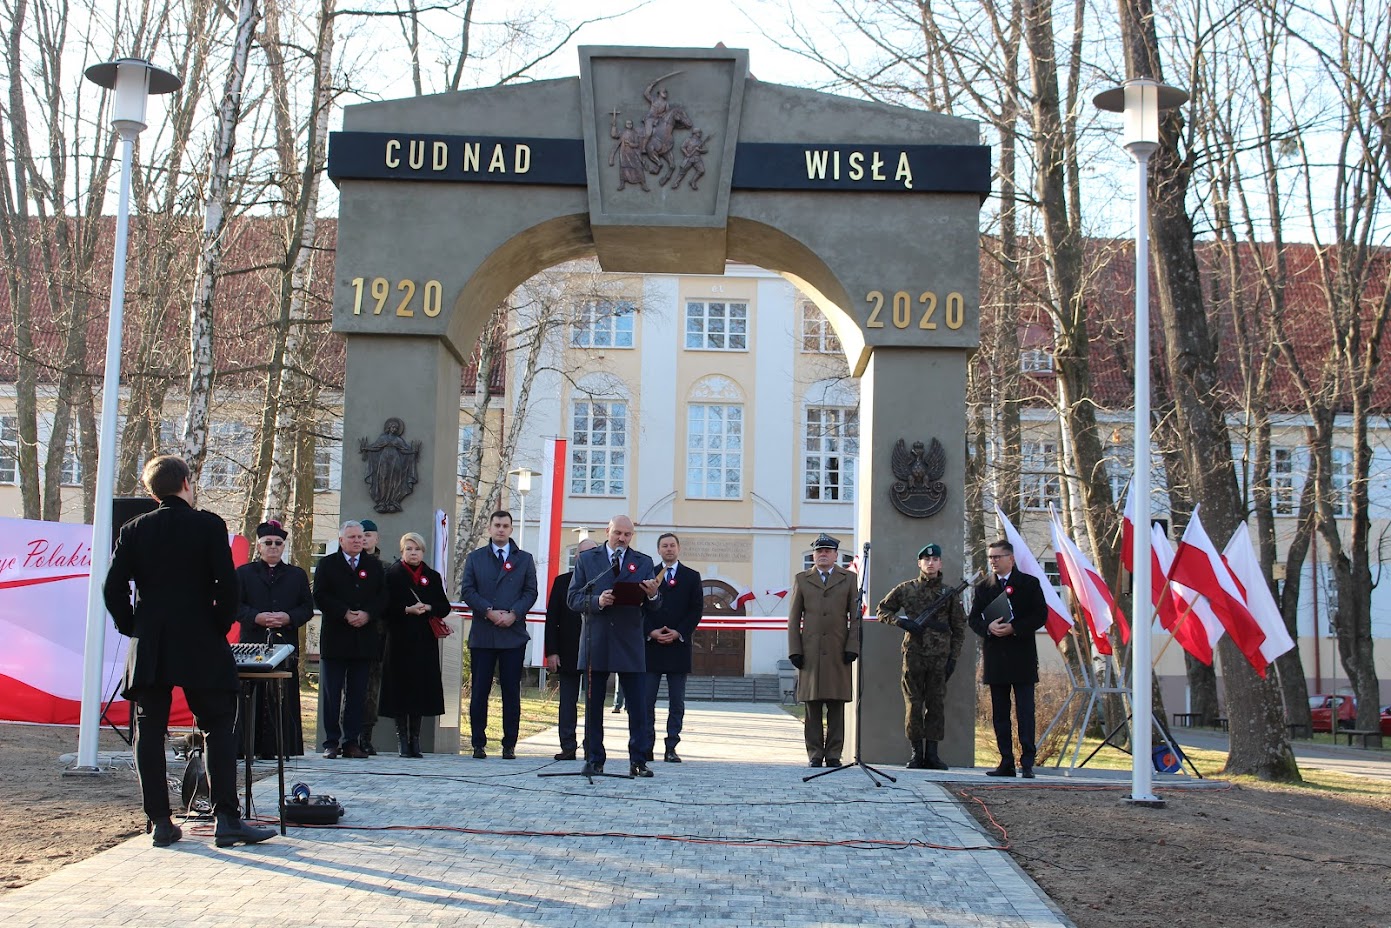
x=378 y=289
x=902 y=311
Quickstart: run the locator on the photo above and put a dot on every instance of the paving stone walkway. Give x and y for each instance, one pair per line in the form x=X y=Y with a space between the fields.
x=731 y=837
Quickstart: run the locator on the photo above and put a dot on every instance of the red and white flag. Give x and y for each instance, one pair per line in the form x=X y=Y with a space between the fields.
x=1088 y=588
x=1059 y=621
x=1183 y=613
x=1199 y=567
x=1245 y=566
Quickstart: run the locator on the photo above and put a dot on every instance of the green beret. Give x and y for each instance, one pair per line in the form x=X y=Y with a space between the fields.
x=933 y=550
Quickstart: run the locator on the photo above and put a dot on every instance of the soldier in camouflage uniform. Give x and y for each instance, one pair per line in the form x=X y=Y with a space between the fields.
x=929 y=657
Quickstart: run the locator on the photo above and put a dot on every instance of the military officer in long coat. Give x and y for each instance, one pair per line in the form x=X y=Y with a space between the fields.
x=823 y=640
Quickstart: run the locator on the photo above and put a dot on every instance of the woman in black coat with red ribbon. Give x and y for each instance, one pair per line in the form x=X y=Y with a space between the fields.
x=275 y=603
x=411 y=682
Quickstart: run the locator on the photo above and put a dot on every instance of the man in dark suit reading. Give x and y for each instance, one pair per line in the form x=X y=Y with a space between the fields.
x=500 y=588
x=185 y=603
x=614 y=587
x=669 y=629
x=1009 y=655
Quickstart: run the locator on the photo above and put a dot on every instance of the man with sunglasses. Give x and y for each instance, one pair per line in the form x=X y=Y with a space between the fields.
x=1009 y=656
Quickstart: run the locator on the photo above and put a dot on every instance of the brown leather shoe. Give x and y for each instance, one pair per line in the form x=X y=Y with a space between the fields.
x=353 y=750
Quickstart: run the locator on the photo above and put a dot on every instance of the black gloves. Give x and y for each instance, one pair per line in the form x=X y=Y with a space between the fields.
x=951 y=666
x=796 y=660
x=849 y=657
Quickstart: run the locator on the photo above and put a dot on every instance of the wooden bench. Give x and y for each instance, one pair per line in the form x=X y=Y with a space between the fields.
x=1220 y=723
x=1367 y=736
x=1188 y=719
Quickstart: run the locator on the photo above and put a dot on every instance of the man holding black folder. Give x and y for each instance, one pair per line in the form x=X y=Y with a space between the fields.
x=614 y=587
x=1007 y=610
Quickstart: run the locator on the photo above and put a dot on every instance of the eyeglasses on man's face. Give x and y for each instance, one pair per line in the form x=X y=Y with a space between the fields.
x=998 y=557
x=272 y=542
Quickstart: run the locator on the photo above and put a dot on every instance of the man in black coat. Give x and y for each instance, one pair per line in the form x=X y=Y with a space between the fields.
x=669 y=629
x=350 y=590
x=1009 y=655
x=185 y=602
x=562 y=647
x=612 y=640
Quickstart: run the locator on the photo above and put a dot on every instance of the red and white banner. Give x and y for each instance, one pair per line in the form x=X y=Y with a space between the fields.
x=44 y=570
x=1198 y=566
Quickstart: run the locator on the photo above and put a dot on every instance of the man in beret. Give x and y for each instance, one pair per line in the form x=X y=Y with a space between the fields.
x=929 y=654
x=823 y=640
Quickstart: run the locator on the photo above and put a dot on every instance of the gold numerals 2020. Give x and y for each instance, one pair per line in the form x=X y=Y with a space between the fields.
x=902 y=310
x=378 y=291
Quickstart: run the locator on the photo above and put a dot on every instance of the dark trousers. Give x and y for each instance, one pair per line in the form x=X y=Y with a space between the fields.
x=507 y=664
x=676 y=706
x=634 y=686
x=1024 y=710
x=342 y=698
x=215 y=712
x=370 y=699
x=828 y=741
x=568 y=713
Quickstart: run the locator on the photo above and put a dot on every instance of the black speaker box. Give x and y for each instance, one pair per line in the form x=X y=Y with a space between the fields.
x=319 y=810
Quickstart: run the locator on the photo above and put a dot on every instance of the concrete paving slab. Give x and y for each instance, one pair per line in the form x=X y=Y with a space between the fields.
x=730 y=837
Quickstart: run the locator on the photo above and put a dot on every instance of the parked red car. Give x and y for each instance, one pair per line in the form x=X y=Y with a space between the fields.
x=1321 y=711
x=1386 y=720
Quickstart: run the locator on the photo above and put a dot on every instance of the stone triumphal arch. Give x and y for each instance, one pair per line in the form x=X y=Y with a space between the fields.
x=456 y=199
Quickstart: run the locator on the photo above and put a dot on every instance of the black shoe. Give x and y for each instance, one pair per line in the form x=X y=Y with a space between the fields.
x=1004 y=770
x=930 y=759
x=331 y=752
x=639 y=769
x=231 y=831
x=833 y=762
x=509 y=754
x=480 y=754
x=671 y=757
x=814 y=762
x=1027 y=772
x=566 y=755
x=366 y=746
x=616 y=709
x=166 y=833
x=591 y=770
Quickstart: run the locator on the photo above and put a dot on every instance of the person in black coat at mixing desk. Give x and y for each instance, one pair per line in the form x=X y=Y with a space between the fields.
x=275 y=603
x=411 y=683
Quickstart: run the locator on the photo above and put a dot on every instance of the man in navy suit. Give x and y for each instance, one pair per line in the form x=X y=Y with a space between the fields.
x=500 y=587
x=612 y=641
x=1009 y=655
x=669 y=629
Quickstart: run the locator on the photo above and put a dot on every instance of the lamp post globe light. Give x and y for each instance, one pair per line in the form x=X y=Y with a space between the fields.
x=132 y=81
x=1141 y=101
x=524 y=476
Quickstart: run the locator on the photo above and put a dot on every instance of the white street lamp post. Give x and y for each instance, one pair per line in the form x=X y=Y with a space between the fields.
x=132 y=81
x=523 y=476
x=1141 y=101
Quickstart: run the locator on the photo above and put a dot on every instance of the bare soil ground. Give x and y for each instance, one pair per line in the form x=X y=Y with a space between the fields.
x=1251 y=854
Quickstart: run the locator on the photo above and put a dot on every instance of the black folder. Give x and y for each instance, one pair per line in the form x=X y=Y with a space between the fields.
x=998 y=608
x=628 y=593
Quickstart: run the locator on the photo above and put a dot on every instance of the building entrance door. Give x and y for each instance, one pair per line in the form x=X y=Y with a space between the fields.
x=718 y=652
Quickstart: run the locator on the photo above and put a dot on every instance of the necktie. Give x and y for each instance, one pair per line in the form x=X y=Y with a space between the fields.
x=671 y=572
x=352 y=562
x=823 y=578
x=617 y=560
x=500 y=559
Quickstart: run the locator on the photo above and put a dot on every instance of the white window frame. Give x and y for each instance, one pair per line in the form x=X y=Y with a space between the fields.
x=71 y=475
x=9 y=450
x=467 y=481
x=845 y=559
x=593 y=462
x=1039 y=480
x=710 y=450
x=1284 y=470
x=603 y=324
x=830 y=449
x=1035 y=361
x=225 y=462
x=818 y=336
x=1341 y=481
x=702 y=323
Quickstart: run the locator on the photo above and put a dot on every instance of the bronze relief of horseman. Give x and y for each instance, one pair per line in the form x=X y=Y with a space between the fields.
x=657 y=137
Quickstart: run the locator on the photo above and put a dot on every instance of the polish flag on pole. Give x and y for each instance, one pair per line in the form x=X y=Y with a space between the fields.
x=1199 y=567
x=1059 y=621
x=1090 y=590
x=1182 y=612
x=1245 y=566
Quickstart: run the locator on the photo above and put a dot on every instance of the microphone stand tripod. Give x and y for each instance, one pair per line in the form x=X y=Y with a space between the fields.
x=587 y=771
x=872 y=772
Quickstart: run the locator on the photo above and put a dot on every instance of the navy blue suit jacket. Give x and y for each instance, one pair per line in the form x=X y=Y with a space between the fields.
x=510 y=587
x=612 y=638
x=683 y=601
